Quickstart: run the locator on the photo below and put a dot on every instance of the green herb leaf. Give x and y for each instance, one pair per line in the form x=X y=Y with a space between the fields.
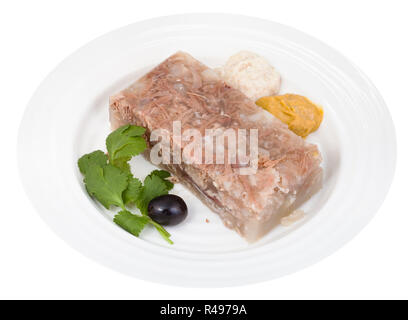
x=97 y=158
x=123 y=165
x=163 y=232
x=130 y=222
x=132 y=192
x=153 y=187
x=124 y=143
x=109 y=180
x=135 y=188
x=163 y=174
x=134 y=224
x=106 y=184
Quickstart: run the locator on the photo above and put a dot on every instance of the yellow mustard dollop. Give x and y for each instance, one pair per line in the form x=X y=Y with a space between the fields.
x=300 y=114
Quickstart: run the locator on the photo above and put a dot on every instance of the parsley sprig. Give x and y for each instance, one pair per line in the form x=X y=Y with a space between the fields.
x=108 y=179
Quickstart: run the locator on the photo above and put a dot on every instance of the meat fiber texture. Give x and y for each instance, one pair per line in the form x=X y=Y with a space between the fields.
x=183 y=89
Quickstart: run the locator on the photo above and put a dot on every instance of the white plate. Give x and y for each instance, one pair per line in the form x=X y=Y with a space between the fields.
x=68 y=116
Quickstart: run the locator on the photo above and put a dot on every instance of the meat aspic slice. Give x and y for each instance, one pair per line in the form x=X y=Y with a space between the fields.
x=185 y=90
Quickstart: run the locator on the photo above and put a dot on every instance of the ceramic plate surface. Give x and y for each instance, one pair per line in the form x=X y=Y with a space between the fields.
x=68 y=117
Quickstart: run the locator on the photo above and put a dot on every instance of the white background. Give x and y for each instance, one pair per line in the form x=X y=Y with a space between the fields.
x=36 y=35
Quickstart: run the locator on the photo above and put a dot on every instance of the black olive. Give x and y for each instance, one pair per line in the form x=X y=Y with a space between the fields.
x=168 y=210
